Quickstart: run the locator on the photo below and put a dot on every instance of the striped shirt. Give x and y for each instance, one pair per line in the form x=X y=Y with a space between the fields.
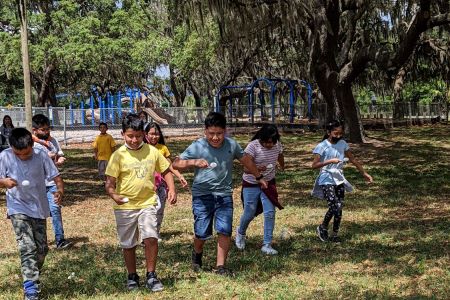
x=263 y=157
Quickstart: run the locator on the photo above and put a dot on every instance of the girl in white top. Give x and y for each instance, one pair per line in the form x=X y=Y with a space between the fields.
x=329 y=156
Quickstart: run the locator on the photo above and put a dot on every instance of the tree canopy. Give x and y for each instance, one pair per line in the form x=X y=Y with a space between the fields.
x=339 y=45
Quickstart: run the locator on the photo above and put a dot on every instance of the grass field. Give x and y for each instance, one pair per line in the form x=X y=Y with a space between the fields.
x=395 y=232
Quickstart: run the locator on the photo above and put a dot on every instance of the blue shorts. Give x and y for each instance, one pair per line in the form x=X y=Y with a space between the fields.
x=207 y=208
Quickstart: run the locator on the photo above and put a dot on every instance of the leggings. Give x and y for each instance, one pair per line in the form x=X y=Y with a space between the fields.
x=334 y=194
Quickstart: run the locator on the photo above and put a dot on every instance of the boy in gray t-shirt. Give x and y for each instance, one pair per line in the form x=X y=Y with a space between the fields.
x=23 y=171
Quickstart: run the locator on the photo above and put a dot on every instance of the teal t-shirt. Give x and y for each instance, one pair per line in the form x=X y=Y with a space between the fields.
x=217 y=180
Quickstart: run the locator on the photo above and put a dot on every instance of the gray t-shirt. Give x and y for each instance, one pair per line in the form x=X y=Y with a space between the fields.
x=29 y=200
x=217 y=180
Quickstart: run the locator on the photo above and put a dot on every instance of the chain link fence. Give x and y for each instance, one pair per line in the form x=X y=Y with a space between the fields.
x=81 y=125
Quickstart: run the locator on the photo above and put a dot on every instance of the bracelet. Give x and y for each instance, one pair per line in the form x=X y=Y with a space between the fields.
x=259 y=177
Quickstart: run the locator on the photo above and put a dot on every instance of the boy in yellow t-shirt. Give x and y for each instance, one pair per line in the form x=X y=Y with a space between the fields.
x=130 y=183
x=104 y=146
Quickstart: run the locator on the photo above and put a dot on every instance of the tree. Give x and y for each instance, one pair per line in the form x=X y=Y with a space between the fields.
x=342 y=38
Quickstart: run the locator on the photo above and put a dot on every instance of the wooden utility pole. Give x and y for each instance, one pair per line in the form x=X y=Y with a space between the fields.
x=25 y=61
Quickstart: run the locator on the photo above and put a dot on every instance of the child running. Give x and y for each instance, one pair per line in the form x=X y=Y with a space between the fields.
x=24 y=171
x=329 y=156
x=155 y=138
x=43 y=140
x=104 y=146
x=130 y=183
x=212 y=202
x=266 y=150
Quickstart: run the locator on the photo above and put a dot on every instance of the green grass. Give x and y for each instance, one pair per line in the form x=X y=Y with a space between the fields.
x=395 y=232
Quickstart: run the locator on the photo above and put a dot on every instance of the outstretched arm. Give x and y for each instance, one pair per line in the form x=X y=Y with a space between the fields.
x=359 y=166
x=317 y=164
x=183 y=164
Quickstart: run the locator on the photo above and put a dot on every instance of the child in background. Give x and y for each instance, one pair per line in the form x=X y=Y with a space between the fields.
x=6 y=127
x=156 y=139
x=104 y=146
x=24 y=171
x=212 y=190
x=130 y=183
x=329 y=156
x=266 y=150
x=43 y=140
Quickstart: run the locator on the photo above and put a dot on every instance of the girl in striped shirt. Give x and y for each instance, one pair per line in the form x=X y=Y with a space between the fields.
x=266 y=150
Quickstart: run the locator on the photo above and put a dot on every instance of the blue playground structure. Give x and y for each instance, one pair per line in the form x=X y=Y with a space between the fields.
x=274 y=86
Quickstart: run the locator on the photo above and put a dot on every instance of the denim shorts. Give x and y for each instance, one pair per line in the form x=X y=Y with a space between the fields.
x=209 y=208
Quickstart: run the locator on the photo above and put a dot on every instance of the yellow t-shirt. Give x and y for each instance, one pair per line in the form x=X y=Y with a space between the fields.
x=104 y=143
x=163 y=150
x=133 y=170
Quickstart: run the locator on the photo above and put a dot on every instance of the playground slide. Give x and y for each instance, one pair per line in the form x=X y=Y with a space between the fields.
x=156 y=118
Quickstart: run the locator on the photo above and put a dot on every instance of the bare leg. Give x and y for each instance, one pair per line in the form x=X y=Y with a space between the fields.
x=223 y=246
x=129 y=256
x=151 y=253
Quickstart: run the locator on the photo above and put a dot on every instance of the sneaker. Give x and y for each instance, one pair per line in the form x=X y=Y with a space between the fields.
x=196 y=261
x=221 y=270
x=63 y=244
x=267 y=249
x=133 y=282
x=322 y=233
x=153 y=283
x=335 y=238
x=30 y=290
x=240 y=240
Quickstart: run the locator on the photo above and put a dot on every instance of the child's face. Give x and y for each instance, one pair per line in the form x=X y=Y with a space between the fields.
x=102 y=129
x=133 y=138
x=42 y=132
x=336 y=134
x=24 y=154
x=267 y=144
x=215 y=136
x=153 y=136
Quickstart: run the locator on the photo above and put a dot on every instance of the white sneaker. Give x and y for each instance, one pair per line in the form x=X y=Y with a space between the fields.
x=240 y=240
x=267 y=249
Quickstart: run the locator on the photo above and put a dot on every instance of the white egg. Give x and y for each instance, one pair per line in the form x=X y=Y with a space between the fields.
x=213 y=165
x=25 y=183
x=269 y=166
x=125 y=200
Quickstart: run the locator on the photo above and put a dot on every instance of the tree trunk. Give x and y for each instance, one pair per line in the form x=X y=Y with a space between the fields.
x=353 y=125
x=398 y=98
x=45 y=88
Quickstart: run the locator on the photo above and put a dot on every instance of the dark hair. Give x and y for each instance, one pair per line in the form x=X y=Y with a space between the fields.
x=145 y=114
x=330 y=126
x=151 y=125
x=7 y=116
x=268 y=132
x=215 y=119
x=40 y=120
x=103 y=123
x=20 y=139
x=132 y=121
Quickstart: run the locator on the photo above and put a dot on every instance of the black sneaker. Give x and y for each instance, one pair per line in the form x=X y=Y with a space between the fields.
x=322 y=233
x=153 y=283
x=133 y=282
x=63 y=244
x=196 y=261
x=221 y=270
